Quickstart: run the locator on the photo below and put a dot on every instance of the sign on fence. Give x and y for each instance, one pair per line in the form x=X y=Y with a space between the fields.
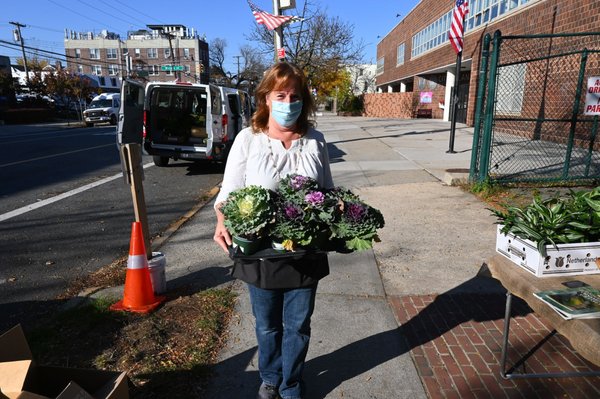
x=592 y=96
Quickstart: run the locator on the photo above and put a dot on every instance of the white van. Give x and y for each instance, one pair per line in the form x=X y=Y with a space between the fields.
x=103 y=108
x=236 y=109
x=174 y=120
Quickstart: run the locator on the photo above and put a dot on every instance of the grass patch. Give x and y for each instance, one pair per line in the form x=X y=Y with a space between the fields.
x=166 y=354
x=498 y=195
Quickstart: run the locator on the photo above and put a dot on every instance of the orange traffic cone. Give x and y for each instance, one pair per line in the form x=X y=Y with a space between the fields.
x=139 y=295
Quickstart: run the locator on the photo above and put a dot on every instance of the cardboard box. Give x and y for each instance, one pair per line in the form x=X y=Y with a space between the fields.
x=567 y=260
x=21 y=378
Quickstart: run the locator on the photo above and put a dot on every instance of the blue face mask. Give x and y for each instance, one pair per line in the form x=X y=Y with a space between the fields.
x=286 y=114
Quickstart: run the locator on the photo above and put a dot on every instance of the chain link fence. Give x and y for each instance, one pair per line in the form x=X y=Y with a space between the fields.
x=529 y=118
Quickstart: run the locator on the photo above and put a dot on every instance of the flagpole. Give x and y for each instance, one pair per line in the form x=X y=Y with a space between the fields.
x=454 y=104
x=455 y=95
x=277 y=32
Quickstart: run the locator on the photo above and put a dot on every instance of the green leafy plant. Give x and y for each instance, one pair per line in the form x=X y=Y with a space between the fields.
x=248 y=212
x=553 y=221
x=358 y=222
x=304 y=212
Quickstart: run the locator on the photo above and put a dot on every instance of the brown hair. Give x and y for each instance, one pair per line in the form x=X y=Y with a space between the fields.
x=279 y=76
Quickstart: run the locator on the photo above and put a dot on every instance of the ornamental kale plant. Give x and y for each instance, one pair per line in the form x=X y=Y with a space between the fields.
x=248 y=211
x=303 y=213
x=295 y=187
x=358 y=222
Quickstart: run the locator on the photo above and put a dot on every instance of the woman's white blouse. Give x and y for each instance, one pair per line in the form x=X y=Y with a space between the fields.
x=250 y=161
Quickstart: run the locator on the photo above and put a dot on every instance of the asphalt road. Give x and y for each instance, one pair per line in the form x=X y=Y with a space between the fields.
x=65 y=210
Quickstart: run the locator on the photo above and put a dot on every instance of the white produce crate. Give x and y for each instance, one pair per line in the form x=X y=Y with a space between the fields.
x=568 y=260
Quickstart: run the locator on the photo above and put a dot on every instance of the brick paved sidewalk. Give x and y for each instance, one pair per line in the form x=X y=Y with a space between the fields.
x=456 y=342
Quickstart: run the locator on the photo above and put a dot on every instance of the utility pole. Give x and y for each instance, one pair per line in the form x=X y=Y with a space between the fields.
x=170 y=36
x=19 y=37
x=237 y=77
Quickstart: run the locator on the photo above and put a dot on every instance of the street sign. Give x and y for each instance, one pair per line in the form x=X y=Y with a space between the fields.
x=171 y=68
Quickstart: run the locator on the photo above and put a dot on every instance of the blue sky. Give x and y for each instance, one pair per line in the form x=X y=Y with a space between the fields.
x=231 y=20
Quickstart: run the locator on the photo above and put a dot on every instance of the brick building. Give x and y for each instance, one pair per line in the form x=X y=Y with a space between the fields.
x=416 y=63
x=148 y=53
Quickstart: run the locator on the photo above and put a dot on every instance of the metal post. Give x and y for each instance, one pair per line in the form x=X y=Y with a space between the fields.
x=483 y=69
x=278 y=32
x=575 y=111
x=454 y=104
x=455 y=97
x=588 y=160
x=486 y=143
x=505 y=332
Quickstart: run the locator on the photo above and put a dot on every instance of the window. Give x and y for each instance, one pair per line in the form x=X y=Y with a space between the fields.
x=510 y=90
x=485 y=11
x=431 y=36
x=79 y=68
x=111 y=53
x=113 y=82
x=102 y=81
x=125 y=50
x=113 y=70
x=152 y=53
x=97 y=70
x=95 y=53
x=379 y=66
x=153 y=70
x=137 y=53
x=77 y=53
x=186 y=53
x=480 y=12
x=400 y=56
x=167 y=53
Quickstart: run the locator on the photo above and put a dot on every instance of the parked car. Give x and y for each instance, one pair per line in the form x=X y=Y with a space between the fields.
x=174 y=120
x=103 y=108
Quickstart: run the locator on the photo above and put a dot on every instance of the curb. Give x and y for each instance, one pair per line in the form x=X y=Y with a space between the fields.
x=157 y=243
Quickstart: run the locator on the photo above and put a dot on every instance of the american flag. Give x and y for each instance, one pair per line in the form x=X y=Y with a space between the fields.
x=456 y=32
x=270 y=21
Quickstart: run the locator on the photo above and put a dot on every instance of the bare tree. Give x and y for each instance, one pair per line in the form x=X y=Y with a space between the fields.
x=253 y=68
x=217 y=61
x=248 y=71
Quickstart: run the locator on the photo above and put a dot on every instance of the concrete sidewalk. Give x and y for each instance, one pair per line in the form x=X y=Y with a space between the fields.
x=409 y=319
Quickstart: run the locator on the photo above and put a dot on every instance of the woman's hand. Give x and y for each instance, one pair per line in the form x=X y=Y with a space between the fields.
x=222 y=236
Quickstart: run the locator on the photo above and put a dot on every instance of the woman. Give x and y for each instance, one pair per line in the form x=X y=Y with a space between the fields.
x=281 y=141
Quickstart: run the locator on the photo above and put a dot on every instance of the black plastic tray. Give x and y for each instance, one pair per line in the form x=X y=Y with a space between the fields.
x=270 y=253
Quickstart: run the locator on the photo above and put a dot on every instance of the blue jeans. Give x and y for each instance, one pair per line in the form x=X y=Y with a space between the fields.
x=283 y=331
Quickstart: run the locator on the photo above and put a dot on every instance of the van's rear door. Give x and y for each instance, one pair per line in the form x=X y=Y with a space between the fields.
x=131 y=113
x=215 y=121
